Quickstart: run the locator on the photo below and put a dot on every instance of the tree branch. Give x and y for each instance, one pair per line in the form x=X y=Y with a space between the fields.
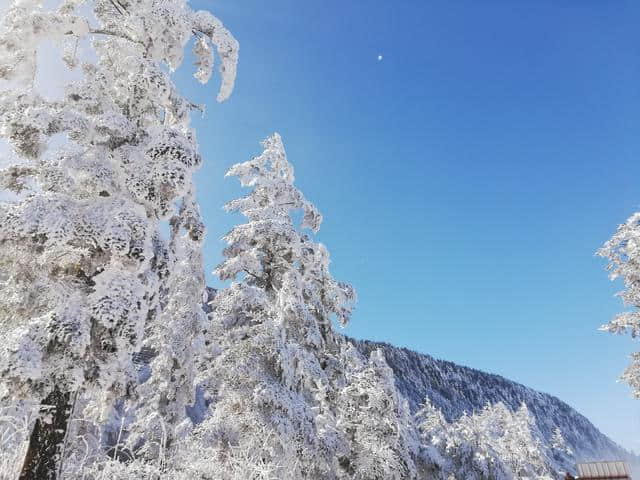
x=252 y=274
x=116 y=34
x=121 y=10
x=195 y=106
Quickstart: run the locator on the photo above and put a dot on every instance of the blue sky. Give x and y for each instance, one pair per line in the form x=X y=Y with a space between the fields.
x=466 y=179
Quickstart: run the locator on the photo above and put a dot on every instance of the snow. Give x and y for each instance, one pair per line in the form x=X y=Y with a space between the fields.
x=103 y=288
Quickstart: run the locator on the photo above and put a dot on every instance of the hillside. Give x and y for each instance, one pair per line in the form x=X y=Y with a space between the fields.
x=455 y=389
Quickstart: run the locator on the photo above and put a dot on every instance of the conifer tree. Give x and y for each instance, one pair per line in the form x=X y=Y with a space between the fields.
x=381 y=436
x=276 y=368
x=494 y=443
x=622 y=251
x=92 y=177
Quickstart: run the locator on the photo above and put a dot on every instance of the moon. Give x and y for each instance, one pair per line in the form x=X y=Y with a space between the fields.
x=379 y=58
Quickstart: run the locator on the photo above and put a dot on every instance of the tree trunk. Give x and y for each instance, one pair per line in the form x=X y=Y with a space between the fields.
x=47 y=437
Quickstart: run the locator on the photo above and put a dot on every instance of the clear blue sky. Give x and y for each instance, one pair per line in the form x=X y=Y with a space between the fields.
x=466 y=179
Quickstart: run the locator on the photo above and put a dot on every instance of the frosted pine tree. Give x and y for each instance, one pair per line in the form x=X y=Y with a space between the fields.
x=560 y=451
x=275 y=366
x=432 y=429
x=494 y=443
x=382 y=439
x=521 y=445
x=623 y=253
x=471 y=454
x=92 y=177
x=175 y=341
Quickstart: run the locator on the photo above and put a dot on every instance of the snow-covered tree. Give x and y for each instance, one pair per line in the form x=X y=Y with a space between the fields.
x=175 y=340
x=494 y=443
x=560 y=451
x=275 y=358
x=622 y=251
x=522 y=447
x=382 y=439
x=92 y=177
x=469 y=451
x=431 y=426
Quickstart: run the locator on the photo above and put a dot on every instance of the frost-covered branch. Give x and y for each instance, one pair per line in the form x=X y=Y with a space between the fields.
x=623 y=254
x=115 y=34
x=87 y=278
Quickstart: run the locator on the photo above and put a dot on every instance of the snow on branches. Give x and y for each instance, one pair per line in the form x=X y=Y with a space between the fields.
x=268 y=249
x=623 y=253
x=275 y=366
x=493 y=443
x=86 y=274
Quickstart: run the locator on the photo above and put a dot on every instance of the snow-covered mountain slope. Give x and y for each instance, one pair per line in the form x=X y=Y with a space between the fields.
x=455 y=389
